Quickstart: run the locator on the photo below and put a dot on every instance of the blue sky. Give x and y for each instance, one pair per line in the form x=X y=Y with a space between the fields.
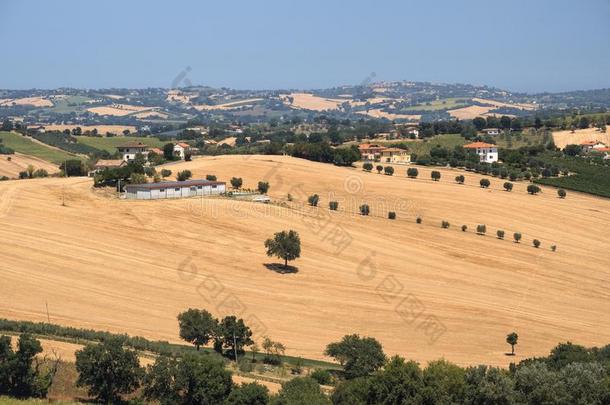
x=530 y=46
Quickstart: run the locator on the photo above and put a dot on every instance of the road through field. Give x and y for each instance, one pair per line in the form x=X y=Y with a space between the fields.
x=423 y=291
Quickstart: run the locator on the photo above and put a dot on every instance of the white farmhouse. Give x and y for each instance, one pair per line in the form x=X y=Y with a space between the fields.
x=491 y=131
x=488 y=153
x=129 y=150
x=174 y=189
x=181 y=148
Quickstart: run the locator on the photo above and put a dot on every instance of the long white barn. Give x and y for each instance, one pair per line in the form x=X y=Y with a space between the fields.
x=174 y=189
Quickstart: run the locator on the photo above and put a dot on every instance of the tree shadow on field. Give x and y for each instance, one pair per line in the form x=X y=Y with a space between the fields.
x=279 y=268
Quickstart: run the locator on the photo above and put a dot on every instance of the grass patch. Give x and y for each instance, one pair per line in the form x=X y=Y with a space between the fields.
x=68 y=104
x=13 y=401
x=508 y=140
x=109 y=144
x=25 y=145
x=423 y=147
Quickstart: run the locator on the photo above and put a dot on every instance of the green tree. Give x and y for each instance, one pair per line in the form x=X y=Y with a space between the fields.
x=313 y=200
x=512 y=339
x=481 y=229
x=323 y=377
x=197 y=326
x=190 y=380
x=168 y=151
x=210 y=177
x=585 y=383
x=284 y=245
x=389 y=170
x=263 y=187
x=333 y=205
x=500 y=234
x=367 y=166
x=459 y=179
x=359 y=356
x=435 y=175
x=166 y=173
x=443 y=383
x=352 y=392
x=391 y=215
x=108 y=370
x=234 y=335
x=236 y=182
x=399 y=382
x=379 y=168
x=365 y=209
x=412 y=172
x=249 y=394
x=488 y=386
x=536 y=243
x=484 y=183
x=561 y=193
x=533 y=189
x=301 y=391
x=184 y=175
x=508 y=186
x=535 y=383
x=517 y=237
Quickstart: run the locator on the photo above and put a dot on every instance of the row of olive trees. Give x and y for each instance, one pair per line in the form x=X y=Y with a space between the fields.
x=435 y=175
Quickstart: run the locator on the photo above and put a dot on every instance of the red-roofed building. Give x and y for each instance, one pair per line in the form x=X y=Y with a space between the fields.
x=370 y=151
x=488 y=153
x=588 y=146
x=181 y=149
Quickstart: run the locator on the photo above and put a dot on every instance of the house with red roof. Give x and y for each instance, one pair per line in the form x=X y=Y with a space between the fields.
x=181 y=149
x=488 y=153
x=588 y=146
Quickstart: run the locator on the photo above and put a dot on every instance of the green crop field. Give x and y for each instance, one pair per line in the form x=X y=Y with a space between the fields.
x=110 y=143
x=68 y=104
x=27 y=146
x=437 y=105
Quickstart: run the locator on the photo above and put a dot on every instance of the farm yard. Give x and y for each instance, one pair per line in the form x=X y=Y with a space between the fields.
x=131 y=266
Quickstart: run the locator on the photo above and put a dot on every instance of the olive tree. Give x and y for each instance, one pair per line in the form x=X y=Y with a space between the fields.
x=412 y=172
x=435 y=175
x=284 y=245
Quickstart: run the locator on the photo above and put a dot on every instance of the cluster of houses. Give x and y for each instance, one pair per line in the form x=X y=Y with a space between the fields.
x=487 y=152
x=596 y=147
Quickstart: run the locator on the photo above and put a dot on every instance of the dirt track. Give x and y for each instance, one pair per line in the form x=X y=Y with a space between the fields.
x=128 y=266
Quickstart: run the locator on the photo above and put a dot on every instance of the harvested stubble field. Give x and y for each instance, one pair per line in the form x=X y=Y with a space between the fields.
x=128 y=266
x=19 y=163
x=564 y=138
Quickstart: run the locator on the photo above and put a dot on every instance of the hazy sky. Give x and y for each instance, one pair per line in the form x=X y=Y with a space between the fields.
x=533 y=45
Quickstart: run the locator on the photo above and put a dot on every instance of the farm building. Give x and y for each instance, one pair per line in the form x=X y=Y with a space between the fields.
x=395 y=155
x=488 y=153
x=589 y=146
x=181 y=149
x=129 y=150
x=174 y=189
x=491 y=131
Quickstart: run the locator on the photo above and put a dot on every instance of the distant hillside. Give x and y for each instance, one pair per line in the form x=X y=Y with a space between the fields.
x=398 y=101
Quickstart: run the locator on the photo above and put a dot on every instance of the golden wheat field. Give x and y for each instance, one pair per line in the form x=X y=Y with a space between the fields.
x=424 y=292
x=11 y=165
x=564 y=138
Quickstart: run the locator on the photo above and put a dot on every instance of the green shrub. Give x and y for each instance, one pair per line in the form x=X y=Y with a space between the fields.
x=484 y=183
x=508 y=186
x=553 y=248
x=459 y=179
x=333 y=205
x=263 y=187
x=444 y=224
x=418 y=220
x=536 y=243
x=533 y=189
x=40 y=173
x=166 y=173
x=481 y=229
x=184 y=175
x=313 y=200
x=367 y=166
x=517 y=237
x=389 y=170
x=500 y=234
x=379 y=168
x=412 y=172
x=210 y=177
x=246 y=366
x=391 y=215
x=323 y=377
x=561 y=193
x=435 y=175
x=364 y=209
x=464 y=228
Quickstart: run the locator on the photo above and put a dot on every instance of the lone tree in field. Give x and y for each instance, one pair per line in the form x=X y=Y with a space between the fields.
x=464 y=228
x=359 y=356
x=391 y=215
x=484 y=183
x=561 y=193
x=364 y=209
x=533 y=189
x=313 y=200
x=517 y=237
x=284 y=245
x=500 y=234
x=389 y=170
x=512 y=339
x=379 y=168
x=367 y=166
x=333 y=205
x=236 y=182
x=459 y=179
x=481 y=229
x=536 y=243
x=108 y=370
x=435 y=175
x=508 y=186
x=197 y=327
x=412 y=172
x=263 y=187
